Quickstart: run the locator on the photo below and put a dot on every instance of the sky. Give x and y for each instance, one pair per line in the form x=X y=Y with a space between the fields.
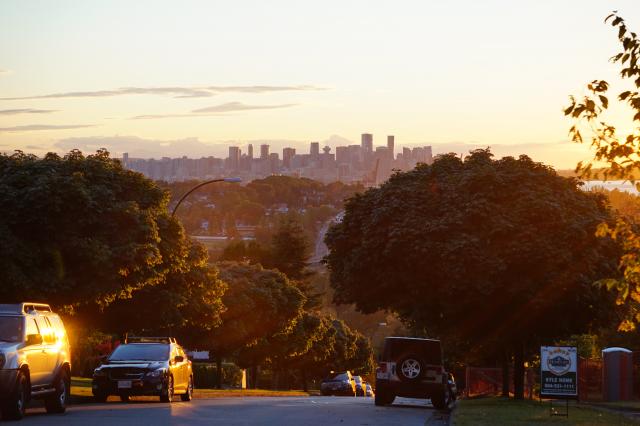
x=156 y=78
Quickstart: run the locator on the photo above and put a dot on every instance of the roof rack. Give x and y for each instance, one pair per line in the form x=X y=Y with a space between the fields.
x=146 y=339
x=24 y=308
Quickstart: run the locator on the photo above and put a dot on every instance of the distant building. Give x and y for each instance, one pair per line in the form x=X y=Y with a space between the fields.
x=234 y=158
x=366 y=143
x=391 y=146
x=264 y=152
x=250 y=151
x=287 y=155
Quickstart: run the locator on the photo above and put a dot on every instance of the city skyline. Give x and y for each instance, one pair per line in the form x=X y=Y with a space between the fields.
x=201 y=76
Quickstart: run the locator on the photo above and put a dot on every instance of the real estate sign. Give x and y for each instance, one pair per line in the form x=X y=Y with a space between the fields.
x=558 y=371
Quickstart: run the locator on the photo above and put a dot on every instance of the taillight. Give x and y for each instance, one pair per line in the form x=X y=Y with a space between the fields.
x=382 y=367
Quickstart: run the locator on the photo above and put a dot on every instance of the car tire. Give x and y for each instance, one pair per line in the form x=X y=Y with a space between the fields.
x=382 y=398
x=57 y=402
x=410 y=368
x=13 y=407
x=125 y=398
x=441 y=400
x=100 y=397
x=167 y=391
x=188 y=395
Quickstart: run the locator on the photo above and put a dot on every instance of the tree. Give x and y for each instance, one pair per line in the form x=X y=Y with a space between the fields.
x=290 y=249
x=186 y=304
x=621 y=155
x=78 y=229
x=259 y=304
x=491 y=254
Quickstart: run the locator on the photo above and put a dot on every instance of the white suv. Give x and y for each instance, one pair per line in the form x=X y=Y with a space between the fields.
x=34 y=359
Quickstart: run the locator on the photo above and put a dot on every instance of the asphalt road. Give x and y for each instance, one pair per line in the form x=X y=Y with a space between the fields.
x=277 y=411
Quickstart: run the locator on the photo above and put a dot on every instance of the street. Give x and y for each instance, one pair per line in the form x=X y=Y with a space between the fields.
x=277 y=411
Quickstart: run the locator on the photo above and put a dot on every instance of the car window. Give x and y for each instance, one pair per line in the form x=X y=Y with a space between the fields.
x=32 y=327
x=140 y=352
x=49 y=336
x=338 y=376
x=11 y=329
x=44 y=330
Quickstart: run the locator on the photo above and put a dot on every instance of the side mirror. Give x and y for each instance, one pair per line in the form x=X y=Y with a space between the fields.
x=179 y=358
x=34 y=339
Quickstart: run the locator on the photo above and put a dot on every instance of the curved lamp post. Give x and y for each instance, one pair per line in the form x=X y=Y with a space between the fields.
x=231 y=180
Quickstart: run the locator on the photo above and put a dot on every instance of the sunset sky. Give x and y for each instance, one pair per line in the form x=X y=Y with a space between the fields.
x=188 y=78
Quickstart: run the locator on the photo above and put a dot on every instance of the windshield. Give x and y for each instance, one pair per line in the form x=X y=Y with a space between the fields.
x=337 y=376
x=141 y=352
x=358 y=379
x=11 y=329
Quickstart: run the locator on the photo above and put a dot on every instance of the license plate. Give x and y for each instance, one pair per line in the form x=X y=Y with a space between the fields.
x=124 y=384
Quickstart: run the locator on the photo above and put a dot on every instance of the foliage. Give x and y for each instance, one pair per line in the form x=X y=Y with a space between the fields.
x=487 y=253
x=259 y=303
x=620 y=154
x=78 y=229
x=185 y=304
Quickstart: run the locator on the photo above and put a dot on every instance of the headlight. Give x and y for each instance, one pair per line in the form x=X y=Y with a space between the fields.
x=3 y=359
x=156 y=373
x=99 y=373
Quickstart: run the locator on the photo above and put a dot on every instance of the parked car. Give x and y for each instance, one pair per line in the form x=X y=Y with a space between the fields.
x=369 y=390
x=412 y=368
x=34 y=359
x=340 y=383
x=361 y=389
x=155 y=366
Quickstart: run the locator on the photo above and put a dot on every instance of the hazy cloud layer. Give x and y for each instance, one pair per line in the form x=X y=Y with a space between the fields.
x=176 y=92
x=214 y=110
x=25 y=111
x=32 y=127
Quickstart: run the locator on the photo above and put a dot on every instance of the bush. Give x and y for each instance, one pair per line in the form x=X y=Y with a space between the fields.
x=88 y=349
x=205 y=375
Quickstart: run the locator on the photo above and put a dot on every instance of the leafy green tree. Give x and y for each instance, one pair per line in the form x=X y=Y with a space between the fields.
x=259 y=304
x=487 y=253
x=186 y=304
x=290 y=250
x=82 y=229
x=621 y=156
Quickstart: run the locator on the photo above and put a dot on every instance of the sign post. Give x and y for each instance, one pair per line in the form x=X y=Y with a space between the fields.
x=559 y=374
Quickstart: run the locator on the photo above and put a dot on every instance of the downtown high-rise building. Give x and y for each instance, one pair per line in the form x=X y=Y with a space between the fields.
x=287 y=155
x=264 y=151
x=391 y=146
x=234 y=158
x=366 y=142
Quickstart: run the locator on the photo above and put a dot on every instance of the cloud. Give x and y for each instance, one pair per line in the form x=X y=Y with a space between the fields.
x=214 y=110
x=238 y=106
x=33 y=127
x=176 y=92
x=25 y=111
x=4 y=71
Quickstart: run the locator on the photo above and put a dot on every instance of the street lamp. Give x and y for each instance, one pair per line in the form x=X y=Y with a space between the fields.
x=231 y=180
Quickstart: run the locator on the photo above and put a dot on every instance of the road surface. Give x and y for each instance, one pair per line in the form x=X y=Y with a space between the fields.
x=276 y=411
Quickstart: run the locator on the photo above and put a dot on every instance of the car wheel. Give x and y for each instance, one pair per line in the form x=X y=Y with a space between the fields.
x=442 y=400
x=14 y=406
x=57 y=402
x=188 y=395
x=100 y=397
x=410 y=368
x=383 y=398
x=167 y=392
x=125 y=398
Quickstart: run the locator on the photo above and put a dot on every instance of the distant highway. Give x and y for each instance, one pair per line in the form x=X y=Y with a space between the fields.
x=282 y=411
x=320 y=248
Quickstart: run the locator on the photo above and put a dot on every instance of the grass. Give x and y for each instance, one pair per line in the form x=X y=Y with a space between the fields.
x=81 y=392
x=502 y=411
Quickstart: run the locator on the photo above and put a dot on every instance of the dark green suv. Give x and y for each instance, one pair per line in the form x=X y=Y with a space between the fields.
x=145 y=366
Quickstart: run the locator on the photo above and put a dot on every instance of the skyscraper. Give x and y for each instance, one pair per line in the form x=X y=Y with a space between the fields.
x=367 y=143
x=264 y=151
x=287 y=154
x=314 y=150
x=234 y=158
x=391 y=144
x=250 y=151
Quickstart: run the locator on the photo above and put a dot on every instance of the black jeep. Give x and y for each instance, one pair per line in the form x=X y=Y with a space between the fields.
x=412 y=368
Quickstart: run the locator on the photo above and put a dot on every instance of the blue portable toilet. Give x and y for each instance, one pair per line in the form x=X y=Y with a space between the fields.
x=617 y=374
